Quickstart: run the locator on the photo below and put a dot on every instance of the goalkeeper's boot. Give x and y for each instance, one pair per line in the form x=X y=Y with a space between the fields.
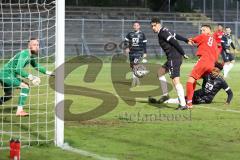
x=22 y=113
x=163 y=98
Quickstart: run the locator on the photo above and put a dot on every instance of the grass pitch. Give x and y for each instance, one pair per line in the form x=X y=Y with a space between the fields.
x=144 y=131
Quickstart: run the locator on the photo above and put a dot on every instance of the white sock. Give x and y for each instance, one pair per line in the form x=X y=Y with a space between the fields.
x=163 y=82
x=172 y=101
x=19 y=108
x=135 y=80
x=230 y=66
x=225 y=70
x=180 y=93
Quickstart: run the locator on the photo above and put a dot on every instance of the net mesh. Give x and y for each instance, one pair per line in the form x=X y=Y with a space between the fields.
x=19 y=21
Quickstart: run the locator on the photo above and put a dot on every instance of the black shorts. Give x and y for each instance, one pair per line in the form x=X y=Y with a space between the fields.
x=200 y=98
x=227 y=57
x=173 y=67
x=135 y=58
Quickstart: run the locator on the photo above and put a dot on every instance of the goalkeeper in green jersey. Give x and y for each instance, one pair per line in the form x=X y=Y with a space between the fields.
x=12 y=71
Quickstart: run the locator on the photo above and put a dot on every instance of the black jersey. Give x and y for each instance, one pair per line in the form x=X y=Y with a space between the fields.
x=136 y=42
x=211 y=86
x=227 y=42
x=168 y=42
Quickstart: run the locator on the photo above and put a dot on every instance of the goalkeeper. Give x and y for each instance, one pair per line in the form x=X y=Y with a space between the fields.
x=12 y=71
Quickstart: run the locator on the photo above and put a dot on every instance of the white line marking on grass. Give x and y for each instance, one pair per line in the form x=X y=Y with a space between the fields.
x=85 y=153
x=12 y=134
x=222 y=110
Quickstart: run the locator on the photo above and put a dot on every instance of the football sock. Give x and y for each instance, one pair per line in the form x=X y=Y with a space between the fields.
x=23 y=96
x=230 y=66
x=19 y=108
x=194 y=86
x=190 y=92
x=180 y=93
x=135 y=80
x=172 y=101
x=225 y=70
x=163 y=83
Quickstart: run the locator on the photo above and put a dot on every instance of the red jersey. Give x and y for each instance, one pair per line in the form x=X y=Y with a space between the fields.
x=207 y=47
x=218 y=37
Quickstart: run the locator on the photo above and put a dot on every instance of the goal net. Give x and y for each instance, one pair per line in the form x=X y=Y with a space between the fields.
x=21 y=20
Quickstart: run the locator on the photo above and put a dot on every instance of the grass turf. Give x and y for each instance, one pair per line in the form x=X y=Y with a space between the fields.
x=145 y=131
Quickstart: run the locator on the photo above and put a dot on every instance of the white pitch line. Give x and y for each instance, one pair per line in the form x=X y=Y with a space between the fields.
x=222 y=110
x=85 y=153
x=12 y=134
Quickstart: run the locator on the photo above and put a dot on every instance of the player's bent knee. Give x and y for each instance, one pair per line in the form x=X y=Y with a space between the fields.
x=191 y=79
x=176 y=80
x=161 y=72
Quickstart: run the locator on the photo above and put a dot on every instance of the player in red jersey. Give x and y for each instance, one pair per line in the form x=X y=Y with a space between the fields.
x=208 y=55
x=217 y=35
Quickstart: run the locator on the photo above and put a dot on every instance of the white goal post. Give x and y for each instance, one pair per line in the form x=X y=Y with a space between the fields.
x=60 y=56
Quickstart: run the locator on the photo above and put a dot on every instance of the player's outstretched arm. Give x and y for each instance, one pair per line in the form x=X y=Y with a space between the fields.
x=177 y=46
x=41 y=68
x=181 y=38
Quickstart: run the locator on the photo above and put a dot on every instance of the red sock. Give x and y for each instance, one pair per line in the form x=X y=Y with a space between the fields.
x=190 y=91
x=194 y=86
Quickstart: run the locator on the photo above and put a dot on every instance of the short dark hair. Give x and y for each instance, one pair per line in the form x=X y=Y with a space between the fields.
x=155 y=20
x=135 y=22
x=31 y=39
x=218 y=65
x=227 y=27
x=206 y=25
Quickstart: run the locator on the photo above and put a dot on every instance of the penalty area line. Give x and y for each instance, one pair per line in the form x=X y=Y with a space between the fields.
x=85 y=153
x=222 y=110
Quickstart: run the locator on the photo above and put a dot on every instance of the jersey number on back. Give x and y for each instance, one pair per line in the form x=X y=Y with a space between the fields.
x=209 y=86
x=210 y=41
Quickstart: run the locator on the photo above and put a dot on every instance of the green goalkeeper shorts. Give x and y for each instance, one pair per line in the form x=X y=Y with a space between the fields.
x=8 y=80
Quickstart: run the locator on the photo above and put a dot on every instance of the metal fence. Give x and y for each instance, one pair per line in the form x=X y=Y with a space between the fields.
x=218 y=10
x=96 y=36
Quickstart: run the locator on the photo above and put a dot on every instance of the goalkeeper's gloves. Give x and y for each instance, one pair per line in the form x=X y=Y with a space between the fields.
x=30 y=77
x=35 y=80
x=50 y=73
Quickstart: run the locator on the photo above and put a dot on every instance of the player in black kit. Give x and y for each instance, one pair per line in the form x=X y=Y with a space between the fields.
x=228 y=58
x=174 y=52
x=212 y=84
x=135 y=43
